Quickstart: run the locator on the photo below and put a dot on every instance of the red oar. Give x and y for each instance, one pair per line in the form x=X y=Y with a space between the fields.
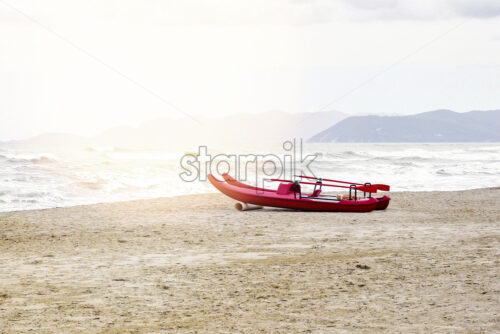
x=367 y=189
x=383 y=187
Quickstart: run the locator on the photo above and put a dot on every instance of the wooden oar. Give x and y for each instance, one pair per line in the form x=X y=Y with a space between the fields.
x=383 y=187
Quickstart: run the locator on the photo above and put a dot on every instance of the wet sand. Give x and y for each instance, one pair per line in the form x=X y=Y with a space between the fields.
x=429 y=263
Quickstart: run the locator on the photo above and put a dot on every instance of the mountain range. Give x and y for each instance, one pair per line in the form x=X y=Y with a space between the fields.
x=251 y=129
x=234 y=130
x=432 y=126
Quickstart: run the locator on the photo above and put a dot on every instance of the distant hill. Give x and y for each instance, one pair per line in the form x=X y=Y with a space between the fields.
x=238 y=129
x=433 y=126
x=52 y=140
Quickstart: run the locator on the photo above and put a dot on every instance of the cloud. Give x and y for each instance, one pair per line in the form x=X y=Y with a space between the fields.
x=426 y=9
x=247 y=13
x=476 y=8
x=374 y=4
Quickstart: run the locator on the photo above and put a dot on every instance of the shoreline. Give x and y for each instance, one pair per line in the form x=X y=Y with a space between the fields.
x=216 y=192
x=192 y=263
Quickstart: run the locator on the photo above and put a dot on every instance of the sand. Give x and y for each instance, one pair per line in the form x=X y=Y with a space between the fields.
x=429 y=263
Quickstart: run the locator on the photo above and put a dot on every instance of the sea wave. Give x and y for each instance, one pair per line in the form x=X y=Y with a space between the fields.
x=344 y=155
x=36 y=194
x=32 y=180
x=41 y=158
x=105 y=149
x=93 y=185
x=411 y=159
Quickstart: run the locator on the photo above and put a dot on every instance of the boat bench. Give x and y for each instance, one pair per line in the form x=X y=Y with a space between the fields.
x=286 y=188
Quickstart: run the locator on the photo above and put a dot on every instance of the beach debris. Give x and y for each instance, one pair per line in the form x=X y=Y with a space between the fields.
x=362 y=266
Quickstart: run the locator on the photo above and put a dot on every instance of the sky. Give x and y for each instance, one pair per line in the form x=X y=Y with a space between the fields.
x=83 y=66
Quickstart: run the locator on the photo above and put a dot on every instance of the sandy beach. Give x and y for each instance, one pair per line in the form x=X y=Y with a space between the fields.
x=429 y=263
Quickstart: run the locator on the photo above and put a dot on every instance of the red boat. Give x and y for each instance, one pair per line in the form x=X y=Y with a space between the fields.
x=289 y=195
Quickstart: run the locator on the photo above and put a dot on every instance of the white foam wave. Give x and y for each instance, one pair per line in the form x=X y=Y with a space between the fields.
x=104 y=149
x=30 y=180
x=28 y=158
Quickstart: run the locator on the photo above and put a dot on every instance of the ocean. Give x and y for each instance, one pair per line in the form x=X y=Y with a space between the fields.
x=37 y=179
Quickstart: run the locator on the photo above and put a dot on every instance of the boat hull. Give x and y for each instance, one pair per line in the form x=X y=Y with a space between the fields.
x=382 y=202
x=267 y=197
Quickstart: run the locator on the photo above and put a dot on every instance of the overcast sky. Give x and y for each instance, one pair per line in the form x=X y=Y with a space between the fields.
x=83 y=66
